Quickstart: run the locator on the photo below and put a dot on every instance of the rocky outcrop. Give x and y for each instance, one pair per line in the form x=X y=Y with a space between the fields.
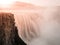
x=8 y=30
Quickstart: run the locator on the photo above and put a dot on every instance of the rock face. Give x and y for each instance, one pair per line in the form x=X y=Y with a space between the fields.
x=8 y=30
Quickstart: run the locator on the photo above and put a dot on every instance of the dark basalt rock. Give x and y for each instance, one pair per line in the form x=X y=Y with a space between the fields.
x=8 y=30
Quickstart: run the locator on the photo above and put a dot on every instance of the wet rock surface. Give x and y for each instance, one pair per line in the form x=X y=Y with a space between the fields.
x=8 y=30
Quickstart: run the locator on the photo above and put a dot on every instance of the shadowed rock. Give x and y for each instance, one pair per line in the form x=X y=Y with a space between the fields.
x=8 y=30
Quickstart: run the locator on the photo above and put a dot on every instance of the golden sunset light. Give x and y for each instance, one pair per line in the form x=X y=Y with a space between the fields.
x=29 y=22
x=6 y=3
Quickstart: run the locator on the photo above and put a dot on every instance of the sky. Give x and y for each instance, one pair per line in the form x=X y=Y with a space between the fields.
x=43 y=2
x=35 y=2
